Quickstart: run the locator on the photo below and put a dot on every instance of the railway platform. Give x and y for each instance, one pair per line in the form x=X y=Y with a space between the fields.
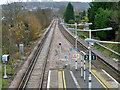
x=71 y=79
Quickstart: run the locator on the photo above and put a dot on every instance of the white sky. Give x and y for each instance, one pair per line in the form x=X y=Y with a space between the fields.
x=5 y=1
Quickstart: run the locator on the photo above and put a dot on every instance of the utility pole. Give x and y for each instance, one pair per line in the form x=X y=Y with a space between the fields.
x=84 y=71
x=82 y=55
x=5 y=75
x=59 y=54
x=76 y=45
x=70 y=58
x=90 y=78
x=81 y=67
x=60 y=50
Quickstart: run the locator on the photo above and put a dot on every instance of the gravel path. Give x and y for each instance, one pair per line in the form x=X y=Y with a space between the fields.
x=53 y=61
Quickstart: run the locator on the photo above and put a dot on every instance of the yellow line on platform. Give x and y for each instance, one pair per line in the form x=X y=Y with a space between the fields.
x=64 y=80
x=101 y=80
x=60 y=82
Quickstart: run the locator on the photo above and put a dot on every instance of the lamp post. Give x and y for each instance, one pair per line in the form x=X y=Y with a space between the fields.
x=84 y=70
x=60 y=50
x=76 y=46
x=90 y=78
x=82 y=54
x=59 y=54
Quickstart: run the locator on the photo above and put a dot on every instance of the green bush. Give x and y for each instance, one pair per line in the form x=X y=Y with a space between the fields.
x=4 y=83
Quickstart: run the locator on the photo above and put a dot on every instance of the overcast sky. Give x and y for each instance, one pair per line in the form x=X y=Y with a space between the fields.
x=5 y=1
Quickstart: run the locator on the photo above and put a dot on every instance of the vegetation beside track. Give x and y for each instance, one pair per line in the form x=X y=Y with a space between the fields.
x=21 y=26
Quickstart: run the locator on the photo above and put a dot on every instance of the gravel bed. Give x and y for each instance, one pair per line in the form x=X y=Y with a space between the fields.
x=53 y=61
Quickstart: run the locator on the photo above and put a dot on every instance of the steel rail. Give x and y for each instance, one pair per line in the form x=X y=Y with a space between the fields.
x=27 y=74
x=44 y=65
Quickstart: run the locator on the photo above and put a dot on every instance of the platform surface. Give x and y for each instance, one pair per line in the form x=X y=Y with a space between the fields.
x=71 y=79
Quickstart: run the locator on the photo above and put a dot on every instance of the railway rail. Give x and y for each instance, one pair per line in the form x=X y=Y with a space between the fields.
x=38 y=63
x=99 y=63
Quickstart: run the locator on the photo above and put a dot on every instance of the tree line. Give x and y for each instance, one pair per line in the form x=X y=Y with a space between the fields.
x=70 y=16
x=21 y=26
x=103 y=15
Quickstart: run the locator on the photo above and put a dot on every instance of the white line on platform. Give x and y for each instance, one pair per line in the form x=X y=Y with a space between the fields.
x=48 y=83
x=110 y=76
x=78 y=86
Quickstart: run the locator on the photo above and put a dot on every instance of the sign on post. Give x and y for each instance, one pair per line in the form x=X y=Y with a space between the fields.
x=65 y=56
x=70 y=49
x=21 y=46
x=76 y=56
x=5 y=58
x=93 y=57
x=86 y=57
x=75 y=49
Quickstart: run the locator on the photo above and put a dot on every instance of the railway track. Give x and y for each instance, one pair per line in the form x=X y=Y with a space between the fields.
x=34 y=76
x=45 y=78
x=99 y=63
